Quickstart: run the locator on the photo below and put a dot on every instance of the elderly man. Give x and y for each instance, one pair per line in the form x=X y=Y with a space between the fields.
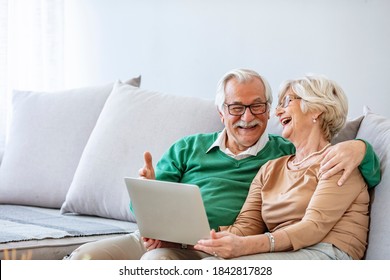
x=223 y=164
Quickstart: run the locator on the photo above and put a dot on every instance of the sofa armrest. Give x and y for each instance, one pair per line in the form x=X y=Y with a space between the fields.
x=2 y=145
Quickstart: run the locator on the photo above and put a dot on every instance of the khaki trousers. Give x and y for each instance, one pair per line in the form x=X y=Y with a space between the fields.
x=130 y=247
x=124 y=247
x=320 y=251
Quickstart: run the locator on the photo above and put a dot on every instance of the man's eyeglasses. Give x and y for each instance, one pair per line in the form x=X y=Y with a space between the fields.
x=239 y=109
x=286 y=101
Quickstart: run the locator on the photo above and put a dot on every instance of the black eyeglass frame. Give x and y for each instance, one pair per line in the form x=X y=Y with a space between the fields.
x=231 y=112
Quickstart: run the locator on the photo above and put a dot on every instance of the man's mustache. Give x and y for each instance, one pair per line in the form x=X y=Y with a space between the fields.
x=245 y=124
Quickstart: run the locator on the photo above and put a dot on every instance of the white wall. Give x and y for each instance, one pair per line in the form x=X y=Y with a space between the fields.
x=184 y=46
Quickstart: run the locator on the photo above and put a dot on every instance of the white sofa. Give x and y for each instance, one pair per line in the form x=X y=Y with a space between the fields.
x=66 y=154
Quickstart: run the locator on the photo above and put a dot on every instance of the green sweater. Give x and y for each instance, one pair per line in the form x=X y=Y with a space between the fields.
x=224 y=182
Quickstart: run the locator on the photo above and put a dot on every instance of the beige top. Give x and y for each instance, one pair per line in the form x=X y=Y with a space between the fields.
x=310 y=210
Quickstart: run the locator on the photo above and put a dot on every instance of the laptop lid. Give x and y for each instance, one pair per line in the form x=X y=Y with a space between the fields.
x=168 y=211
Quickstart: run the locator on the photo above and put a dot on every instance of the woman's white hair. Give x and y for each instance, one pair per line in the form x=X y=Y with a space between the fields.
x=320 y=94
x=241 y=76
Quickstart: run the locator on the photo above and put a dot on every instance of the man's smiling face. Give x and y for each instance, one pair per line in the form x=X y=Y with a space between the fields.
x=244 y=131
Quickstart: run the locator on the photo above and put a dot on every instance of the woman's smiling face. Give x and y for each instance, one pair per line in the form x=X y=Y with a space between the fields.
x=291 y=117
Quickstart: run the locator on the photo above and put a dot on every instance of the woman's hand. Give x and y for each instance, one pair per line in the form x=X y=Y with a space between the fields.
x=221 y=244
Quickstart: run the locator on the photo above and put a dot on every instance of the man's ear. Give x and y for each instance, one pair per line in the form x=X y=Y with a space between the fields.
x=221 y=117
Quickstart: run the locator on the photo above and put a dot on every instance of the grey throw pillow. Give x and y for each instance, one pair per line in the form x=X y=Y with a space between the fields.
x=349 y=131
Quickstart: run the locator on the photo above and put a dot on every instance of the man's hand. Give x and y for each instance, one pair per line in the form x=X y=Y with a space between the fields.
x=151 y=244
x=147 y=171
x=343 y=156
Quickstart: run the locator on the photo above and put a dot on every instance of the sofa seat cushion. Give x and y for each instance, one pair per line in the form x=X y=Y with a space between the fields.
x=38 y=229
x=48 y=248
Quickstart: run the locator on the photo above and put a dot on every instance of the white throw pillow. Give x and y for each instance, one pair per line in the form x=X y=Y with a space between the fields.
x=132 y=121
x=47 y=136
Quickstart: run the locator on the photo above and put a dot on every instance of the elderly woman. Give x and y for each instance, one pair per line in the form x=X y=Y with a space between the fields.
x=290 y=211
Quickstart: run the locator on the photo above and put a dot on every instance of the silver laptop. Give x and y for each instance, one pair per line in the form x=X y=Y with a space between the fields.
x=168 y=211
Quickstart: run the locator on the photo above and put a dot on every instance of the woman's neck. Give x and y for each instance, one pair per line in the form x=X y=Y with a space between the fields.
x=309 y=150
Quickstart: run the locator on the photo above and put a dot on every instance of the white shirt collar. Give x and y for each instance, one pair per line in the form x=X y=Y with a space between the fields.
x=251 y=151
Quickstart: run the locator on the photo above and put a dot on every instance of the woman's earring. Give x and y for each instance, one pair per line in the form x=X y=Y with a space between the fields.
x=314 y=120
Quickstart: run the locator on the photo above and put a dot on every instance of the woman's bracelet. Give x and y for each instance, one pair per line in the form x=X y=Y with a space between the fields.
x=271 y=241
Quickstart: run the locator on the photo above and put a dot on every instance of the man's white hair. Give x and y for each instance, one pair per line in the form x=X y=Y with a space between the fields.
x=241 y=76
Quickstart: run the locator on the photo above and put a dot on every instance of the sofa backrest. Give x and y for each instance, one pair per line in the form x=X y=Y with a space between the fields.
x=2 y=145
x=376 y=130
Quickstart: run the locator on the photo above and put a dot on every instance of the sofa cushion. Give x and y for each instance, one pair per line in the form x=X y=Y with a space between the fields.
x=349 y=131
x=376 y=130
x=2 y=144
x=44 y=234
x=132 y=121
x=48 y=133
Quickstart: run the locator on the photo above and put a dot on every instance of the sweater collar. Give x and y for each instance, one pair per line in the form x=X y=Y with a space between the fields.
x=251 y=151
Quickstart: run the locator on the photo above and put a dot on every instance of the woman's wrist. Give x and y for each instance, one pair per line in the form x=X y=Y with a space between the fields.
x=271 y=241
x=256 y=244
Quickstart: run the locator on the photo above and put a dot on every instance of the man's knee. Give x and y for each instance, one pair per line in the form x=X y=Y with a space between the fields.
x=160 y=254
x=84 y=252
x=126 y=247
x=173 y=254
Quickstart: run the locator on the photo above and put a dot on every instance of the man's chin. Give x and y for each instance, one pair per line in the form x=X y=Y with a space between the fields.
x=249 y=140
x=250 y=132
